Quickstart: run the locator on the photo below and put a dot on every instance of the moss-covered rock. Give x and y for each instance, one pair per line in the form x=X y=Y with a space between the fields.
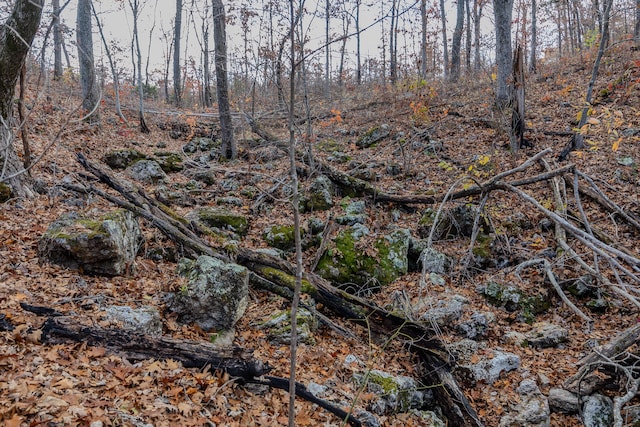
x=373 y=136
x=5 y=192
x=168 y=161
x=106 y=245
x=122 y=159
x=281 y=237
x=319 y=197
x=396 y=394
x=348 y=261
x=278 y=327
x=513 y=299
x=221 y=218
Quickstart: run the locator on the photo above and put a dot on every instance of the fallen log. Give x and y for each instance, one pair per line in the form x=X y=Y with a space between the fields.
x=272 y=272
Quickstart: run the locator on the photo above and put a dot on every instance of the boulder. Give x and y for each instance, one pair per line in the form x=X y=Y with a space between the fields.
x=348 y=261
x=280 y=237
x=445 y=309
x=215 y=295
x=396 y=394
x=168 y=161
x=478 y=325
x=488 y=368
x=147 y=171
x=122 y=159
x=106 y=245
x=354 y=213
x=144 y=320
x=531 y=411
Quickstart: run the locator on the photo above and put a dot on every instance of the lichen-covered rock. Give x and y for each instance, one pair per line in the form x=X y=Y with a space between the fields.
x=281 y=237
x=222 y=219
x=320 y=195
x=513 y=299
x=545 y=335
x=354 y=213
x=489 y=368
x=444 y=309
x=215 y=295
x=174 y=195
x=122 y=159
x=147 y=171
x=346 y=261
x=168 y=161
x=144 y=320
x=478 y=325
x=597 y=411
x=278 y=327
x=531 y=411
x=396 y=394
x=200 y=144
x=561 y=400
x=106 y=245
x=373 y=136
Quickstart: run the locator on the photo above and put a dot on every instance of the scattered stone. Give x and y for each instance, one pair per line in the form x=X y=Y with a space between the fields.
x=434 y=261
x=347 y=262
x=394 y=169
x=106 y=245
x=452 y=222
x=513 y=299
x=396 y=394
x=278 y=327
x=147 y=171
x=583 y=287
x=514 y=338
x=318 y=390
x=489 y=369
x=230 y=201
x=200 y=144
x=445 y=309
x=338 y=157
x=598 y=305
x=478 y=325
x=625 y=161
x=545 y=335
x=531 y=411
x=597 y=411
x=215 y=295
x=373 y=136
x=122 y=159
x=367 y=418
x=6 y=192
x=561 y=400
x=222 y=219
x=428 y=418
x=316 y=225
x=144 y=320
x=173 y=195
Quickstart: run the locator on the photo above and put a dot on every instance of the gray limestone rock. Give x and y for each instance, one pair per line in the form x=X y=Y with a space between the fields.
x=144 y=320
x=597 y=411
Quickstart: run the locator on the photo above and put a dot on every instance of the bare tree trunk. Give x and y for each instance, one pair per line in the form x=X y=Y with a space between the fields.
x=468 y=42
x=502 y=10
x=229 y=150
x=57 y=41
x=517 y=115
x=327 y=51
x=393 y=54
x=477 y=15
x=423 y=39
x=208 y=96
x=534 y=36
x=456 y=44
x=88 y=80
x=112 y=65
x=23 y=21
x=445 y=47
x=636 y=30
x=358 y=53
x=135 y=8
x=177 y=78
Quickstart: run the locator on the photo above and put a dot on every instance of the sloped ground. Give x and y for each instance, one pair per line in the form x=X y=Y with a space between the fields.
x=76 y=384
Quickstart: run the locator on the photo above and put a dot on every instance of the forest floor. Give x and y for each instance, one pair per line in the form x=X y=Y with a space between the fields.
x=74 y=384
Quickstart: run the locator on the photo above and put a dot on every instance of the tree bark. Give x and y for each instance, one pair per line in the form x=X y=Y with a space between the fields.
x=57 y=41
x=88 y=78
x=177 y=77
x=502 y=10
x=445 y=50
x=456 y=43
x=135 y=9
x=517 y=115
x=534 y=37
x=423 y=39
x=229 y=149
x=16 y=36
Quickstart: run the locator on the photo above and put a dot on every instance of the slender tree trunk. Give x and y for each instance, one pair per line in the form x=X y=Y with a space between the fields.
x=24 y=21
x=502 y=10
x=393 y=66
x=517 y=115
x=468 y=42
x=135 y=8
x=358 y=52
x=445 y=44
x=423 y=39
x=112 y=65
x=177 y=77
x=229 y=150
x=327 y=51
x=477 y=15
x=208 y=96
x=534 y=37
x=456 y=44
x=88 y=80
x=636 y=29
x=57 y=41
